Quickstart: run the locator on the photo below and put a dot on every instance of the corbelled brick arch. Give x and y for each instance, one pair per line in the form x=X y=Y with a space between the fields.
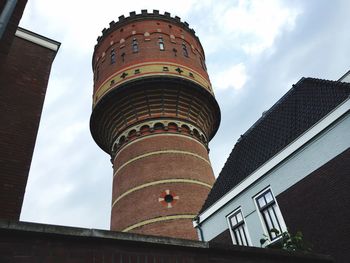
x=154 y=112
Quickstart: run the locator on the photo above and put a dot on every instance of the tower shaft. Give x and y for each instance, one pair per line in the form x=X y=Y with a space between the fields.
x=154 y=113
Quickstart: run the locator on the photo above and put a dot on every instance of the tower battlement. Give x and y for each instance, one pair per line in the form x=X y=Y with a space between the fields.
x=144 y=15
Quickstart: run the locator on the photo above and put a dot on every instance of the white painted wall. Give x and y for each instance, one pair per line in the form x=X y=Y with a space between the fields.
x=327 y=145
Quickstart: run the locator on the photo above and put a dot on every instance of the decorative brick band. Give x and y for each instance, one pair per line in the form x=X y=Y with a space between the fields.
x=188 y=181
x=157 y=153
x=154 y=68
x=158 y=219
x=158 y=135
x=152 y=127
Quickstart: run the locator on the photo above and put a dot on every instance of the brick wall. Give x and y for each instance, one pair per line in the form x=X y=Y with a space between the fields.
x=23 y=82
x=223 y=238
x=154 y=174
x=25 y=242
x=319 y=207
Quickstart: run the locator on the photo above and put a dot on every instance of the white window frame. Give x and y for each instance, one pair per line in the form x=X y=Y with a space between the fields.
x=279 y=217
x=244 y=226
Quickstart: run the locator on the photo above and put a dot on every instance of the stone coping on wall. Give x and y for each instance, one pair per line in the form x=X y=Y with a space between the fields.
x=212 y=250
x=95 y=233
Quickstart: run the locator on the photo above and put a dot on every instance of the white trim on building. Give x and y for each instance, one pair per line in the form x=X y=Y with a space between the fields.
x=37 y=39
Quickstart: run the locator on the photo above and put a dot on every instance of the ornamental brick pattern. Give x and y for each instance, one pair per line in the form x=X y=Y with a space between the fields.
x=154 y=112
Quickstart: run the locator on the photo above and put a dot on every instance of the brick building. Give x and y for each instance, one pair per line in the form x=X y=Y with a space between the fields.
x=26 y=59
x=290 y=170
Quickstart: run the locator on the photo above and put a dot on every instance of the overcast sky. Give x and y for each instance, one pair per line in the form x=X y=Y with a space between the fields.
x=255 y=51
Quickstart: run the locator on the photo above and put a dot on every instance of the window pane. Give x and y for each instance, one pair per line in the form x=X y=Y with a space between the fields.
x=241 y=230
x=239 y=217
x=233 y=221
x=239 y=238
x=161 y=46
x=269 y=225
x=275 y=219
x=261 y=202
x=235 y=240
x=268 y=197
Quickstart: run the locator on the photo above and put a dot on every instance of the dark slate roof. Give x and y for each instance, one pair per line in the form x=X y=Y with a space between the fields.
x=301 y=107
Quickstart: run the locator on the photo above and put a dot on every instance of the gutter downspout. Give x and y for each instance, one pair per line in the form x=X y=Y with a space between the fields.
x=198 y=226
x=6 y=15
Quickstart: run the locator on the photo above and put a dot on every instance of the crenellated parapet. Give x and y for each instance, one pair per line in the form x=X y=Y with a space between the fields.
x=145 y=15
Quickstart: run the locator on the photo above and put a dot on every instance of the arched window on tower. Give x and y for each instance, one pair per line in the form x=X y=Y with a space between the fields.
x=135 y=46
x=184 y=50
x=161 y=43
x=113 y=56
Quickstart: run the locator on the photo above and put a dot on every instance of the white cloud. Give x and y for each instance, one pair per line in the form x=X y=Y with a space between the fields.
x=80 y=22
x=249 y=25
x=234 y=77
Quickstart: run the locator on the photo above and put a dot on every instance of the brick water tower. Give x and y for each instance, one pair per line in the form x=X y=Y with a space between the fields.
x=154 y=112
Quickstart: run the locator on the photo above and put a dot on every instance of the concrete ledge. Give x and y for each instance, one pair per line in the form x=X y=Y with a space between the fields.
x=97 y=233
x=32 y=242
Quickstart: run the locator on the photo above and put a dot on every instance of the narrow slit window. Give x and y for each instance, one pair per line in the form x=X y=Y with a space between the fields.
x=161 y=44
x=238 y=228
x=113 y=56
x=97 y=73
x=203 y=64
x=123 y=56
x=135 y=46
x=184 y=50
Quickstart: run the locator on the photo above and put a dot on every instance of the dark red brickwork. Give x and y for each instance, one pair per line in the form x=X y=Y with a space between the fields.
x=23 y=82
x=155 y=143
x=178 y=229
x=162 y=167
x=34 y=243
x=126 y=213
x=319 y=207
x=143 y=204
x=223 y=238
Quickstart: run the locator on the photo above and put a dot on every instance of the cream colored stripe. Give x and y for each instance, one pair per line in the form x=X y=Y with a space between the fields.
x=148 y=136
x=157 y=219
x=150 y=63
x=156 y=153
x=160 y=182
